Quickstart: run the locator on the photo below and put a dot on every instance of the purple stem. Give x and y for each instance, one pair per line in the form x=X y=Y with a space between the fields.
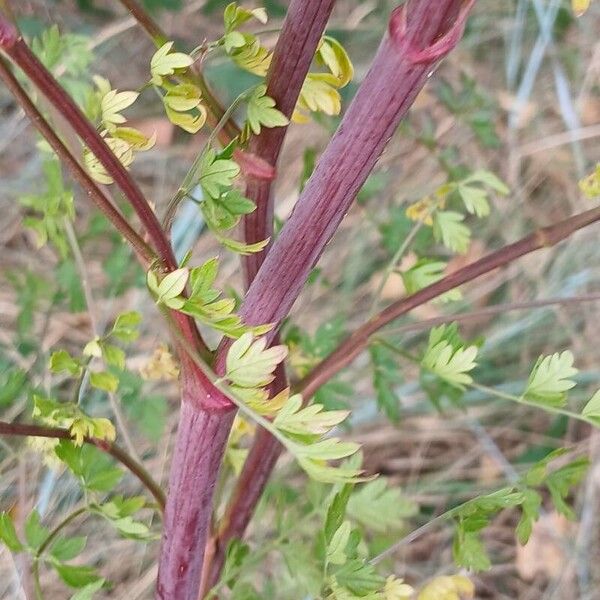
x=302 y=29
x=398 y=73
x=407 y=56
x=201 y=441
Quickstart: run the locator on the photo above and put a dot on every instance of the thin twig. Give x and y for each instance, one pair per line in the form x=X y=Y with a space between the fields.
x=353 y=345
x=491 y=311
x=137 y=469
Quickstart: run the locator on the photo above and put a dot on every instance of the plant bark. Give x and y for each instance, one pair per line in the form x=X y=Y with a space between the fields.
x=204 y=426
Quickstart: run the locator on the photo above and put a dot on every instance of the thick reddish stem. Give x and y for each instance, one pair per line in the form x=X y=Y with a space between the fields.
x=399 y=72
x=404 y=61
x=302 y=30
x=201 y=441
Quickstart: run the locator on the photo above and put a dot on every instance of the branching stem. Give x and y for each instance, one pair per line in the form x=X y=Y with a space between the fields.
x=144 y=252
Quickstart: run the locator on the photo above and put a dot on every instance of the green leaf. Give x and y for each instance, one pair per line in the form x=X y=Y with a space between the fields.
x=87 y=592
x=262 y=111
x=336 y=511
x=172 y=285
x=8 y=533
x=386 y=376
x=64 y=549
x=488 y=178
x=234 y=16
x=380 y=508
x=336 y=549
x=449 y=359
x=469 y=552
x=475 y=200
x=530 y=512
x=424 y=273
x=250 y=364
x=592 y=409
x=92 y=466
x=358 y=577
x=126 y=327
x=311 y=420
x=449 y=229
x=216 y=174
x=560 y=482
x=103 y=380
x=333 y=55
x=35 y=532
x=183 y=97
x=61 y=361
x=113 y=356
x=164 y=62
x=77 y=576
x=550 y=379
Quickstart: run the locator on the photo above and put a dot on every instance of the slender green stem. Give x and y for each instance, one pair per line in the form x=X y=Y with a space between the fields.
x=35 y=573
x=52 y=535
x=395 y=260
x=192 y=174
x=556 y=410
x=35 y=566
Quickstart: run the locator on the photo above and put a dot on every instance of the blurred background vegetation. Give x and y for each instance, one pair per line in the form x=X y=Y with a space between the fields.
x=520 y=98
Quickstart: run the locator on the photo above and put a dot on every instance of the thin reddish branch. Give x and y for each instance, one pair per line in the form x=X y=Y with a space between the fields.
x=142 y=249
x=15 y=47
x=302 y=30
x=26 y=430
x=352 y=346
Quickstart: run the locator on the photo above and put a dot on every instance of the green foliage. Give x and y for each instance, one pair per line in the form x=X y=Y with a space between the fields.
x=250 y=364
x=262 y=111
x=474 y=107
x=68 y=56
x=119 y=512
x=91 y=466
x=320 y=90
x=8 y=533
x=475 y=515
x=244 y=48
x=386 y=376
x=448 y=357
x=380 y=508
x=70 y=416
x=50 y=209
x=550 y=379
x=425 y=272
